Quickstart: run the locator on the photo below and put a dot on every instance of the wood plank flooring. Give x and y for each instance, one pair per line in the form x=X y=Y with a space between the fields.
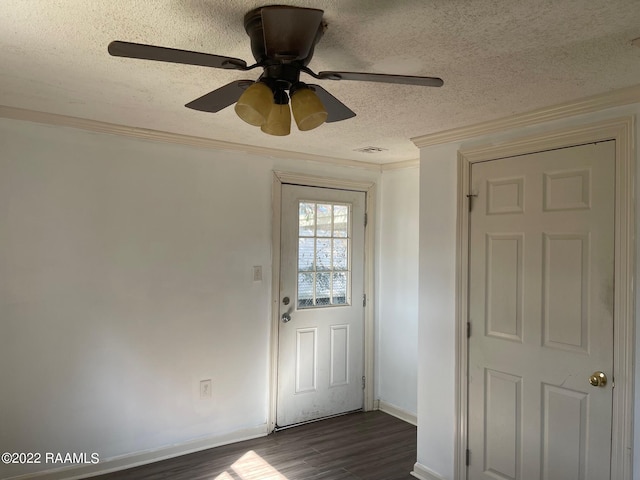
x=359 y=446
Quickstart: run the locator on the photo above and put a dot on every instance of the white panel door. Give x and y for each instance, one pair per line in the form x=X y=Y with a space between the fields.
x=321 y=334
x=541 y=313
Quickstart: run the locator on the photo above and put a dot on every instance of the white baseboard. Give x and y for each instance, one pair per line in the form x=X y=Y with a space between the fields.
x=423 y=473
x=149 y=456
x=398 y=412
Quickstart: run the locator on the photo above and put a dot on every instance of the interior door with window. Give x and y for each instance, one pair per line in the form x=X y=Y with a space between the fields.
x=321 y=334
x=541 y=270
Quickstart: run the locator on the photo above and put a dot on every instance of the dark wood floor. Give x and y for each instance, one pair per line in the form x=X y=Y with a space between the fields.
x=363 y=446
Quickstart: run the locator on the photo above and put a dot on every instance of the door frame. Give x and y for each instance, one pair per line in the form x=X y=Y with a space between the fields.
x=618 y=129
x=369 y=188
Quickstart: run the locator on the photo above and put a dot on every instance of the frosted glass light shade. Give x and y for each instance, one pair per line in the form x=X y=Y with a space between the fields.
x=308 y=110
x=279 y=121
x=254 y=104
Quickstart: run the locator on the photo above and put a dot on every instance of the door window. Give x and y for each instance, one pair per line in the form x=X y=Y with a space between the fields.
x=324 y=243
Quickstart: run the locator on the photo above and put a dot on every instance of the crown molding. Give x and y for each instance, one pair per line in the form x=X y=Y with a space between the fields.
x=398 y=165
x=616 y=98
x=174 y=138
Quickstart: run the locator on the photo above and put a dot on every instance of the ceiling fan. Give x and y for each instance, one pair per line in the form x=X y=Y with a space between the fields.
x=283 y=39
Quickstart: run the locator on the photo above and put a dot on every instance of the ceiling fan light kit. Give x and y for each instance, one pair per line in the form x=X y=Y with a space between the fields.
x=254 y=104
x=308 y=110
x=283 y=40
x=279 y=121
x=261 y=105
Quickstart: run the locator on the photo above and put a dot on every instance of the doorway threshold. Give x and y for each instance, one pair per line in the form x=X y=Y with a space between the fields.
x=306 y=422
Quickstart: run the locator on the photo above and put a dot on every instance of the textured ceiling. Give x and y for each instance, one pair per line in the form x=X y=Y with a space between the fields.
x=497 y=58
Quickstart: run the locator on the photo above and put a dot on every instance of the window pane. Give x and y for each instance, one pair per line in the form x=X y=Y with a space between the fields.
x=323 y=288
x=340 y=252
x=324 y=220
x=340 y=220
x=339 y=288
x=307 y=219
x=305 y=290
x=323 y=254
x=305 y=254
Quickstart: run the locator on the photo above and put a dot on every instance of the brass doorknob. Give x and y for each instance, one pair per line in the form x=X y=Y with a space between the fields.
x=598 y=379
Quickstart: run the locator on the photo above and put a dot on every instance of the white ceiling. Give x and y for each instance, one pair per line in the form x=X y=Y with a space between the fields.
x=497 y=58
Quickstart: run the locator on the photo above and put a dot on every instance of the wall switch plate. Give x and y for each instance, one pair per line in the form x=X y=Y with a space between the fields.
x=257 y=273
x=205 y=388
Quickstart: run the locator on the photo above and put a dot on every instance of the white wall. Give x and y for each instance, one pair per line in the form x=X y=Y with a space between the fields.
x=436 y=389
x=436 y=330
x=397 y=312
x=125 y=279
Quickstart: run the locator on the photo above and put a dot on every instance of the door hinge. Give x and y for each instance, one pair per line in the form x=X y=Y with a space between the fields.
x=468 y=329
x=364 y=382
x=471 y=196
x=364 y=299
x=366 y=219
x=468 y=457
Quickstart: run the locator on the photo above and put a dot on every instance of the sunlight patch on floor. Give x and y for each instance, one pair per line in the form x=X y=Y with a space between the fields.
x=252 y=466
x=224 y=476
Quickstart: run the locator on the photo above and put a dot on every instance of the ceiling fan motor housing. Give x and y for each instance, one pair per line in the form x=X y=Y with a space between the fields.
x=284 y=34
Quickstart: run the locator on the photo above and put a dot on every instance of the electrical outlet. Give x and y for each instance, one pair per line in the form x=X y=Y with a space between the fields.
x=205 y=388
x=257 y=273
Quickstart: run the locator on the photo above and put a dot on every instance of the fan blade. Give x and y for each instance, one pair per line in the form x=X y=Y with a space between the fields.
x=381 y=77
x=221 y=97
x=335 y=108
x=172 y=55
x=289 y=33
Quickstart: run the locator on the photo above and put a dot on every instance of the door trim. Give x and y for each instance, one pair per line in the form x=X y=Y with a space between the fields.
x=621 y=130
x=369 y=188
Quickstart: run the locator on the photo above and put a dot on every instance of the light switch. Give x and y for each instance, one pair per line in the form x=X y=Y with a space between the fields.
x=257 y=273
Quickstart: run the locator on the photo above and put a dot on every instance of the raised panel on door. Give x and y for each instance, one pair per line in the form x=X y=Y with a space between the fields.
x=503 y=425
x=339 y=356
x=504 y=286
x=564 y=434
x=306 y=360
x=565 y=291
x=540 y=296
